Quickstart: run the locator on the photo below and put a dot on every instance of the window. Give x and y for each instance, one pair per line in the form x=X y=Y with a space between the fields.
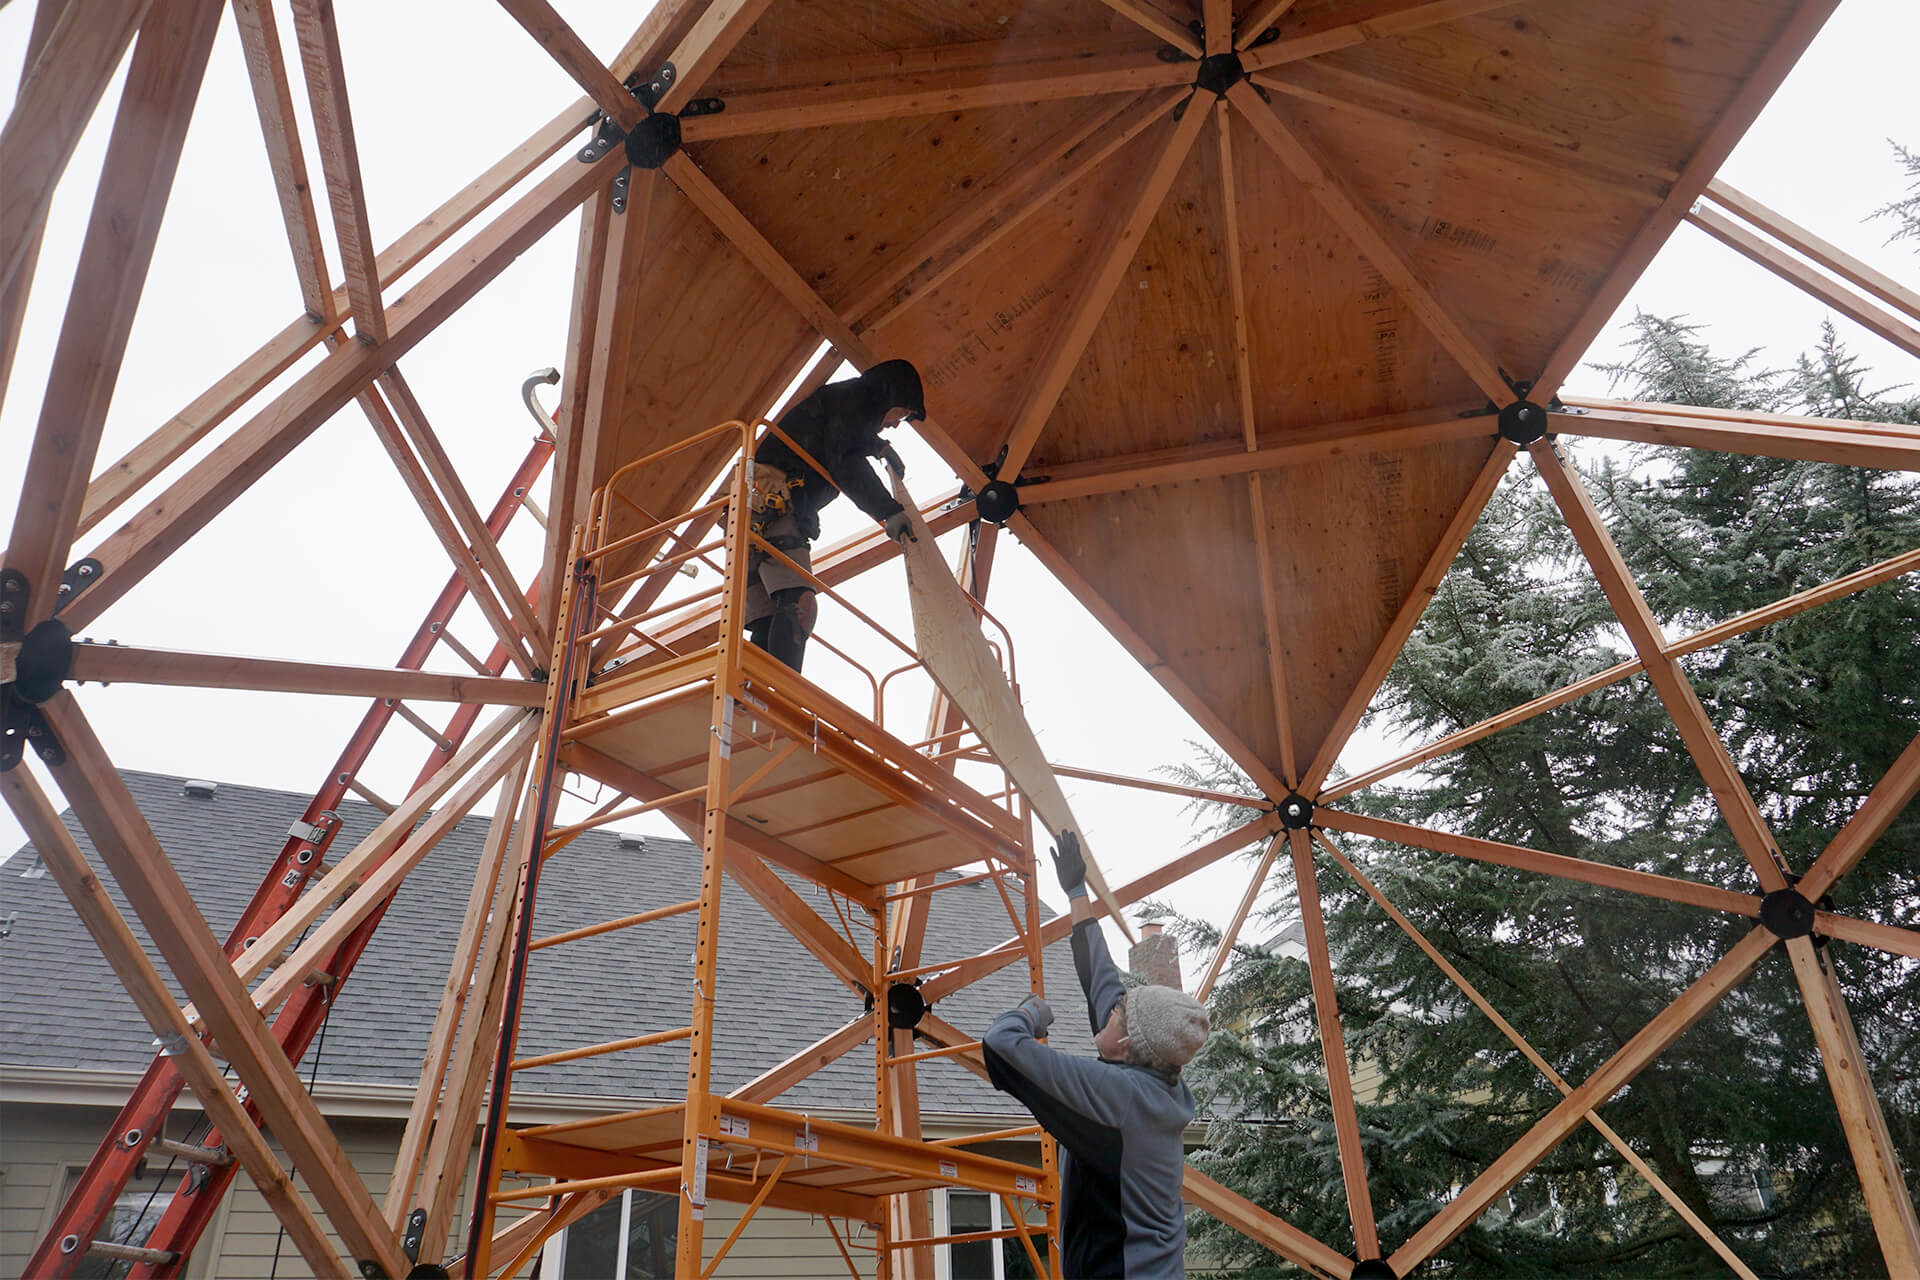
x=956 y=1212
x=630 y=1238
x=130 y=1221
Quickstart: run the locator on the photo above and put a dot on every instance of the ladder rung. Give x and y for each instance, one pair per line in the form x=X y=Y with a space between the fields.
x=533 y=509
x=133 y=1253
x=366 y=793
x=197 y=1155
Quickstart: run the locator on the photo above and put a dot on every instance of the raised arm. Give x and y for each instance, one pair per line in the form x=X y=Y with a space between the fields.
x=1100 y=979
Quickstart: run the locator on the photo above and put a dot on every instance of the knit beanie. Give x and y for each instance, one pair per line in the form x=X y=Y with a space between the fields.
x=1165 y=1026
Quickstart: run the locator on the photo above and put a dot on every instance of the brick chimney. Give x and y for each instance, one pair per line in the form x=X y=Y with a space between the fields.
x=1155 y=959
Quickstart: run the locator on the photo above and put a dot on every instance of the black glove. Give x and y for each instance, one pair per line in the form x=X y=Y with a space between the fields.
x=1038 y=1012
x=1069 y=866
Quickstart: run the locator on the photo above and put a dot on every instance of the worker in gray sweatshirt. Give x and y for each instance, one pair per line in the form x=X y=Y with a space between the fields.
x=1119 y=1120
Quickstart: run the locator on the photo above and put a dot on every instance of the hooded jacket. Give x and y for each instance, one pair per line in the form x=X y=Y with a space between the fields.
x=1120 y=1127
x=839 y=425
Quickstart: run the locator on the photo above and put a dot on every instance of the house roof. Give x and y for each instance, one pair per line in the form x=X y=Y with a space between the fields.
x=61 y=1007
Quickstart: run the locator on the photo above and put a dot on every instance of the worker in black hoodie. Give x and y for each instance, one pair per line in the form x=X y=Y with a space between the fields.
x=839 y=427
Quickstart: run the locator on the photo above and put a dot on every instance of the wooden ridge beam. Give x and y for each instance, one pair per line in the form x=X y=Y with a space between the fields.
x=776 y=1080
x=1333 y=1047
x=160 y=899
x=1888 y=799
x=1792 y=605
x=1795 y=421
x=1408 y=615
x=1216 y=27
x=62 y=856
x=143 y=154
x=132 y=664
x=127 y=556
x=1318 y=443
x=1342 y=28
x=1364 y=230
x=1689 y=717
x=115 y=484
x=1900 y=297
x=573 y=462
x=1618 y=1071
x=932 y=93
x=1149 y=17
x=59 y=89
x=706 y=44
x=1089 y=300
x=1540 y=1064
x=280 y=130
x=1231 y=934
x=16 y=287
x=1862 y=311
x=1875 y=1158
x=1371 y=98
x=1262 y=1227
x=564 y=44
x=1754 y=90
x=1625 y=879
x=427 y=446
x=1259 y=21
x=1236 y=272
x=319 y=40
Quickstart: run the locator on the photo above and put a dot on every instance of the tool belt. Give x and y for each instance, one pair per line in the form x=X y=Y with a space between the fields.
x=769 y=493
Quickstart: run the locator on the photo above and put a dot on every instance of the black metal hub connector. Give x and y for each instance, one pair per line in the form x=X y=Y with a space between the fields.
x=1523 y=422
x=654 y=141
x=1220 y=72
x=1296 y=812
x=44 y=662
x=1373 y=1269
x=1787 y=913
x=905 y=1005
x=997 y=501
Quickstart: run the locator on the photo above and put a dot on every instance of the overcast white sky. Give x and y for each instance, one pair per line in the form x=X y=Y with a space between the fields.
x=328 y=559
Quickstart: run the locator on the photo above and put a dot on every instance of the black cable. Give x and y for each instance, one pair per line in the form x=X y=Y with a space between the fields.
x=319 y=1047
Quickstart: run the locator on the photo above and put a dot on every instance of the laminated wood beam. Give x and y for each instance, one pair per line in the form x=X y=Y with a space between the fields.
x=1875 y=1158
x=1216 y=25
x=465 y=563
x=545 y=25
x=705 y=46
x=1226 y=458
x=1900 y=297
x=319 y=40
x=413 y=421
x=204 y=491
x=1364 y=231
x=1888 y=799
x=150 y=995
x=163 y=81
x=1370 y=98
x=1236 y=271
x=969 y=971
x=130 y=664
x=1755 y=88
x=114 y=485
x=1262 y=1227
x=1344 y=27
x=775 y=1081
x=979 y=224
x=1618 y=1071
x=1540 y=1064
x=1792 y=605
x=1231 y=934
x=1089 y=301
x=932 y=93
x=1625 y=879
x=164 y=906
x=1259 y=20
x=15 y=288
x=1703 y=742
x=1794 y=421
x=59 y=90
x=1148 y=17
x=1408 y=616
x=273 y=98
x=1862 y=311
x=1256 y=769
x=1888 y=451
x=1333 y=1048
x=802 y=921
x=490 y=898
x=573 y=463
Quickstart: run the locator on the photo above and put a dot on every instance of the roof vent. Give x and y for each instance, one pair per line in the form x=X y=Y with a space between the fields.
x=199 y=788
x=632 y=840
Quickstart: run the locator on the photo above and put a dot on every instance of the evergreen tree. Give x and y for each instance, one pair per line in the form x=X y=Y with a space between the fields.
x=1905 y=211
x=1736 y=1116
